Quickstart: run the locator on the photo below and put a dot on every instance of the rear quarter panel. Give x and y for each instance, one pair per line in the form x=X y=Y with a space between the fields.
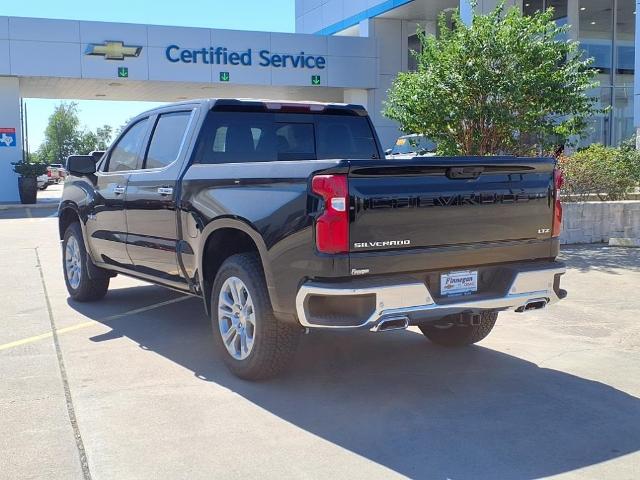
x=269 y=201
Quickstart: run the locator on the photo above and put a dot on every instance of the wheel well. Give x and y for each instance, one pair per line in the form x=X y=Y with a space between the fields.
x=67 y=217
x=220 y=245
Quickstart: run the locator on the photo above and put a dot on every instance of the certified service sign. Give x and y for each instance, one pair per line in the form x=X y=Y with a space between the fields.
x=263 y=58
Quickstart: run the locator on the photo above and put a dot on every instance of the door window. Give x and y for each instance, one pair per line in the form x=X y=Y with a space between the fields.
x=124 y=155
x=167 y=139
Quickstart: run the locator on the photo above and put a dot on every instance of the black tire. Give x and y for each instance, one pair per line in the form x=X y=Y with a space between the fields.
x=275 y=342
x=460 y=336
x=44 y=187
x=88 y=289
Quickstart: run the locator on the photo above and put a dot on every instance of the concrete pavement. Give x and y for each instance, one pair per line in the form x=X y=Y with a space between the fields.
x=548 y=394
x=49 y=198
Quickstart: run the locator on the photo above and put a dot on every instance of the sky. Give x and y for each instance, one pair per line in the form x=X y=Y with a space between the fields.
x=261 y=15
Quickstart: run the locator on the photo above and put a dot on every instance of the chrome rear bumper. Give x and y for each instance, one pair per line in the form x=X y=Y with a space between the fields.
x=411 y=299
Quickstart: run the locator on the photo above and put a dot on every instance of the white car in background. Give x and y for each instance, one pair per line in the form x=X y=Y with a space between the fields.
x=56 y=173
x=43 y=181
x=412 y=145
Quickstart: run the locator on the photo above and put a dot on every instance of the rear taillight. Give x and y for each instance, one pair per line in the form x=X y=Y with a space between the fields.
x=558 y=181
x=332 y=226
x=48 y=173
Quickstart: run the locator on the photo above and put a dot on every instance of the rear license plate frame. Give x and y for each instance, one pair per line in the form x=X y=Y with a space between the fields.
x=461 y=282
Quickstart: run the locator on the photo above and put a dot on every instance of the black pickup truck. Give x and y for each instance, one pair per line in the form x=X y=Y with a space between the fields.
x=286 y=216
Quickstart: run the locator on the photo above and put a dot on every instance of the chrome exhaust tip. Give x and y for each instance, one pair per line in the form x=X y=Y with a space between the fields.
x=535 y=304
x=391 y=323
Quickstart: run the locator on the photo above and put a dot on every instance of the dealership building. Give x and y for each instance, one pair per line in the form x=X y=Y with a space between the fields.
x=342 y=51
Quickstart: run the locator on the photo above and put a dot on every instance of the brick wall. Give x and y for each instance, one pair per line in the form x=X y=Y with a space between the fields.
x=596 y=222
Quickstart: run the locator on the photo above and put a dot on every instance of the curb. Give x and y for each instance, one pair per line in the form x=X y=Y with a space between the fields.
x=624 y=242
x=14 y=206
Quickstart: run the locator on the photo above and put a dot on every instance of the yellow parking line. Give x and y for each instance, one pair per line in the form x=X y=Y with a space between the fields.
x=24 y=341
x=90 y=323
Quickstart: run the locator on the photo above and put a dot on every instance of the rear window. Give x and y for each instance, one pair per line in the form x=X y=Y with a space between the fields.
x=233 y=137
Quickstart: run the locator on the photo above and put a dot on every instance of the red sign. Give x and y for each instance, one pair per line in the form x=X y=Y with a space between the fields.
x=7 y=137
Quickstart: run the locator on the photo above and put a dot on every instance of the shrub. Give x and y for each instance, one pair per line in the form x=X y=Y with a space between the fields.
x=610 y=173
x=29 y=169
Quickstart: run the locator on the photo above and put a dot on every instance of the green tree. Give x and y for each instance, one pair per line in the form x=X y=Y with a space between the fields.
x=64 y=136
x=507 y=83
x=98 y=140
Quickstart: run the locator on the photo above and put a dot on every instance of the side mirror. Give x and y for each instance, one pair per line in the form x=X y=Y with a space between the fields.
x=81 y=165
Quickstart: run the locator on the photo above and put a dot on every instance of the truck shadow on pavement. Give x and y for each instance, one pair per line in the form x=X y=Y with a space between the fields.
x=397 y=400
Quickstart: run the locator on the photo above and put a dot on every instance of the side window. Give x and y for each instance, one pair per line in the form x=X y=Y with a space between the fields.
x=345 y=137
x=167 y=138
x=232 y=137
x=124 y=155
x=240 y=137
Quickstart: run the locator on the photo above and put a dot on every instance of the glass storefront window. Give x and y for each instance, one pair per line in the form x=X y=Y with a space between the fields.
x=625 y=42
x=414 y=45
x=622 y=114
x=559 y=10
x=595 y=34
x=613 y=53
x=529 y=7
x=599 y=128
x=614 y=56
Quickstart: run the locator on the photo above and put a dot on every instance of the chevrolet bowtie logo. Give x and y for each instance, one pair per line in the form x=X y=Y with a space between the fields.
x=113 y=50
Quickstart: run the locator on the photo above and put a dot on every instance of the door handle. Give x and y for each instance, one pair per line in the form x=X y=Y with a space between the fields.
x=464 y=172
x=119 y=189
x=165 y=190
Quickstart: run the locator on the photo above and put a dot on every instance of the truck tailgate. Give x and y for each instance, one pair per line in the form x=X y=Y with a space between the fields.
x=449 y=202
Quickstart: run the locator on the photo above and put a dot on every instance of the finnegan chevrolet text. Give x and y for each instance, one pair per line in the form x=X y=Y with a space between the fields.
x=286 y=216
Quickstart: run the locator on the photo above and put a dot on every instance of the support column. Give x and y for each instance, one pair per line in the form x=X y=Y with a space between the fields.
x=10 y=143
x=356 y=96
x=636 y=79
x=389 y=45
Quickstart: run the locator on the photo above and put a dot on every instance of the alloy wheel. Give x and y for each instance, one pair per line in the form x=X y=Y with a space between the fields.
x=73 y=262
x=236 y=318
